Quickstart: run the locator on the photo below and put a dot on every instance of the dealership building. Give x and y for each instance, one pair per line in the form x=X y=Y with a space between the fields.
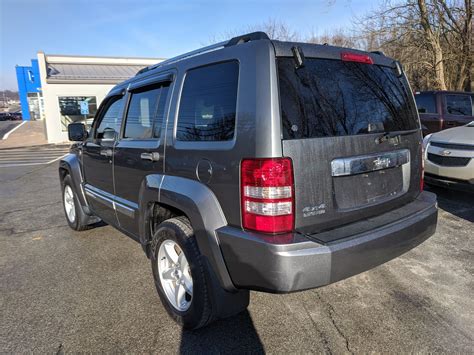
x=69 y=89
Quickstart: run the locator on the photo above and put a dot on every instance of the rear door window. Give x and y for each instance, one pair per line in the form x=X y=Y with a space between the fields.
x=426 y=103
x=459 y=105
x=334 y=98
x=208 y=103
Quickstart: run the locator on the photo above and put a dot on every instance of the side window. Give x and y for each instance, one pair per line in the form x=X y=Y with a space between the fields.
x=459 y=105
x=109 y=126
x=208 y=103
x=146 y=113
x=426 y=103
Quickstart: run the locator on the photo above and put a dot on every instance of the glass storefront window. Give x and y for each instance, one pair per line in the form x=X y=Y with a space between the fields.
x=77 y=109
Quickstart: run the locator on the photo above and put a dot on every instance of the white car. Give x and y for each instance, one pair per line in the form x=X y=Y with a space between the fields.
x=449 y=157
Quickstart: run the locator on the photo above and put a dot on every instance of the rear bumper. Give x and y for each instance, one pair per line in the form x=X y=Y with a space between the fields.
x=304 y=264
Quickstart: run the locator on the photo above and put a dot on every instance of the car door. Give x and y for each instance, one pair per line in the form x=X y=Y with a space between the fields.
x=139 y=151
x=97 y=158
x=428 y=111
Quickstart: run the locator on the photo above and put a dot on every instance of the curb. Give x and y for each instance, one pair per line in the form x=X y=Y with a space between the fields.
x=6 y=135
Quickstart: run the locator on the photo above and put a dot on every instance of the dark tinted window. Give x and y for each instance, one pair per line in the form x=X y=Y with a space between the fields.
x=426 y=103
x=335 y=98
x=109 y=126
x=459 y=105
x=141 y=111
x=208 y=103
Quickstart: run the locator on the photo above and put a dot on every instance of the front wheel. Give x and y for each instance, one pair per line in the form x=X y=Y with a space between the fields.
x=71 y=206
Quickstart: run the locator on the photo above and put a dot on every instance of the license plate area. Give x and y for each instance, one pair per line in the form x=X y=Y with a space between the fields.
x=367 y=180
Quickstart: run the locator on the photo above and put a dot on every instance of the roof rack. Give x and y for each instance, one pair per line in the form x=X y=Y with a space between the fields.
x=378 y=52
x=254 y=36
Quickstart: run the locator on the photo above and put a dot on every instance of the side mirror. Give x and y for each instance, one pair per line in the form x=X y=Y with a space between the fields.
x=77 y=132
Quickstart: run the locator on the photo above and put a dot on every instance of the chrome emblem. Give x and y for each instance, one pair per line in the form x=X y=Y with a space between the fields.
x=381 y=163
x=445 y=152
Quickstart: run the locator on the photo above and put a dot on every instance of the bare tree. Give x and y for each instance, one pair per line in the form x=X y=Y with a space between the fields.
x=275 y=29
x=432 y=38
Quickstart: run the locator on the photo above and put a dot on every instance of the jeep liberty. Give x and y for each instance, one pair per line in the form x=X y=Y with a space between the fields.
x=254 y=164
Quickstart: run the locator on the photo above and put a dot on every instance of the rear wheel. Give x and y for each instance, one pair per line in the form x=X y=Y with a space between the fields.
x=184 y=280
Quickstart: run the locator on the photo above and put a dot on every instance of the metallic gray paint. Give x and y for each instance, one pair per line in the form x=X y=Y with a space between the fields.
x=214 y=205
x=259 y=265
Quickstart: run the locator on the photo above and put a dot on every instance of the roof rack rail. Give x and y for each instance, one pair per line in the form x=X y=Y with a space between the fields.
x=378 y=52
x=254 y=36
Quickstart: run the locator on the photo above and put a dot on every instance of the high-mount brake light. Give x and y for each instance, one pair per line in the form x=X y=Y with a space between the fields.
x=267 y=195
x=355 y=57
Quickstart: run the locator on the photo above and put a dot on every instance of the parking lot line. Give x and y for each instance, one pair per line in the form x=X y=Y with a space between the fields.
x=30 y=156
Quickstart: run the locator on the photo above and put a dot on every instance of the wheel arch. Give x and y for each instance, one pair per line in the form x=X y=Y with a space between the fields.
x=181 y=196
x=69 y=165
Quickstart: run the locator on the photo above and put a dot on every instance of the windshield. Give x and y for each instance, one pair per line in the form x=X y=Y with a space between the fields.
x=329 y=97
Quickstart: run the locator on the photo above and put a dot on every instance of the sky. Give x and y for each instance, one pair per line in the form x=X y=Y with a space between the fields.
x=153 y=29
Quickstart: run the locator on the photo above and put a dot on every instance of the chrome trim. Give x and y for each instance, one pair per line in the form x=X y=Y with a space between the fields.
x=129 y=212
x=366 y=163
x=111 y=201
x=98 y=197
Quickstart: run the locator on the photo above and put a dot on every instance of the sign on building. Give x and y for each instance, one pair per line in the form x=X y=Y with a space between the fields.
x=84 y=107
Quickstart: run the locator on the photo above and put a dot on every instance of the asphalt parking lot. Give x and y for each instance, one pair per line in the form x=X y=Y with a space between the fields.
x=7 y=126
x=92 y=291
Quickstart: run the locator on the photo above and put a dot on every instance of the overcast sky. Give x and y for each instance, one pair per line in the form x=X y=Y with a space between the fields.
x=156 y=29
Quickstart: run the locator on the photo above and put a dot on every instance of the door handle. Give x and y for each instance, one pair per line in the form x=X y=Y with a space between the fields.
x=154 y=156
x=106 y=152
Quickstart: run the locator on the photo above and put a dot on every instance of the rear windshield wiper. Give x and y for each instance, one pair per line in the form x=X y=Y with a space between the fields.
x=389 y=135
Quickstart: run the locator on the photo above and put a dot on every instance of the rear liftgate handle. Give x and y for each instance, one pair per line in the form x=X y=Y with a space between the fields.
x=154 y=156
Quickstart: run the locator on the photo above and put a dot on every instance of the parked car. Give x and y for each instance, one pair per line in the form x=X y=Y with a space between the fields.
x=449 y=158
x=254 y=164
x=440 y=110
x=10 y=116
x=16 y=116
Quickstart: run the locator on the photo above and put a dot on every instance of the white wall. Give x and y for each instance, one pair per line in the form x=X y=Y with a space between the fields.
x=51 y=92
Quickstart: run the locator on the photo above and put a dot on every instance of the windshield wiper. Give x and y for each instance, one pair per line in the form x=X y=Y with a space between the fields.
x=389 y=135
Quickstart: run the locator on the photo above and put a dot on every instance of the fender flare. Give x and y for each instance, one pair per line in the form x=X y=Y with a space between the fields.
x=71 y=164
x=202 y=208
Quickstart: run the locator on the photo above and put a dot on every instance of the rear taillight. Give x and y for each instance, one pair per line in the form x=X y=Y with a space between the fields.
x=355 y=57
x=267 y=195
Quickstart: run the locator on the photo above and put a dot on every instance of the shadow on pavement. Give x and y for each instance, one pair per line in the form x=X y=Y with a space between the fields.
x=458 y=203
x=232 y=335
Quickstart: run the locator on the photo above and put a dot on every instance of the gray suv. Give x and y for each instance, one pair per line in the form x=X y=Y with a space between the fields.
x=254 y=164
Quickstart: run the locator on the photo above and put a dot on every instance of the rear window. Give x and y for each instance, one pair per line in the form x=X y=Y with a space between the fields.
x=330 y=97
x=459 y=105
x=426 y=103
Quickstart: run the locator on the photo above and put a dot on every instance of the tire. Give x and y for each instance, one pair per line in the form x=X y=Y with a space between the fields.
x=71 y=206
x=200 y=309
